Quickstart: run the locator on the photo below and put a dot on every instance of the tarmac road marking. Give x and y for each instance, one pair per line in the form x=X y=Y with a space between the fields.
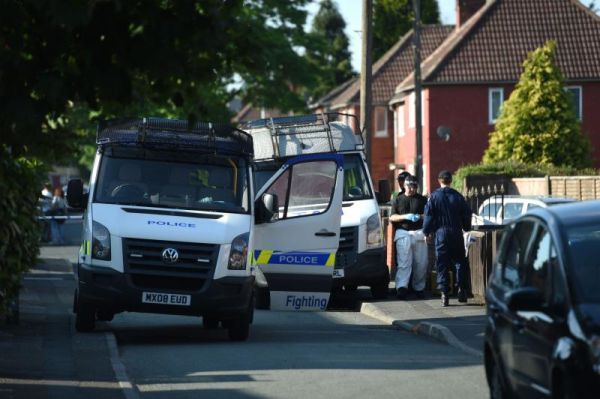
x=129 y=390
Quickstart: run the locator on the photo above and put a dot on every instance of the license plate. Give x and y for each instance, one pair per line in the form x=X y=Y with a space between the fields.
x=338 y=273
x=160 y=298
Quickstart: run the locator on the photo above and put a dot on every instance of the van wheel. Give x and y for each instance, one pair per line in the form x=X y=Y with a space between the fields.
x=262 y=298
x=350 y=288
x=210 y=323
x=105 y=315
x=380 y=291
x=238 y=329
x=85 y=318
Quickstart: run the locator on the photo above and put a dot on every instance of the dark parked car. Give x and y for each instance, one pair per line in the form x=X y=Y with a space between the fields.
x=542 y=336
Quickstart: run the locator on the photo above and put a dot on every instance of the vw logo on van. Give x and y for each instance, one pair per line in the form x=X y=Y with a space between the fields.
x=170 y=255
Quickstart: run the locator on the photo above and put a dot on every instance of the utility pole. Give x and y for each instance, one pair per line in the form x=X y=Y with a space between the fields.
x=365 y=78
x=418 y=126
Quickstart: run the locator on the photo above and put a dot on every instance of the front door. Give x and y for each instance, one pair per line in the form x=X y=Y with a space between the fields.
x=296 y=249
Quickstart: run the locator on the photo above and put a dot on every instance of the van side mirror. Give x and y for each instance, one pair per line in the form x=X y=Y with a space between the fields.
x=384 y=191
x=75 y=197
x=525 y=299
x=266 y=208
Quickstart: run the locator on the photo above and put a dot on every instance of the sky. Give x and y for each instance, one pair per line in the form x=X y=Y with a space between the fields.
x=352 y=12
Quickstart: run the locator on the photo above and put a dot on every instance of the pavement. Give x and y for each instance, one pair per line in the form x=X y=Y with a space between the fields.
x=459 y=325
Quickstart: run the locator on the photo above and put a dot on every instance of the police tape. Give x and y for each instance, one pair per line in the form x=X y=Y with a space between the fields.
x=67 y=217
x=272 y=257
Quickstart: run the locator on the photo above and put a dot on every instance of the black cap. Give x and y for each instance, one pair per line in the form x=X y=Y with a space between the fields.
x=445 y=175
x=411 y=181
x=404 y=175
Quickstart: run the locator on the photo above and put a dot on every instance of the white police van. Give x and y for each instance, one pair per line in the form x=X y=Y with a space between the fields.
x=172 y=225
x=360 y=258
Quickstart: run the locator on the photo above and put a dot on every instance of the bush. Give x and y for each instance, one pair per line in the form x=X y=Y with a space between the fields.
x=20 y=182
x=517 y=169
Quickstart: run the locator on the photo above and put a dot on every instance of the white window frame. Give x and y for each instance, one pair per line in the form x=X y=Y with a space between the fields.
x=580 y=88
x=401 y=131
x=384 y=132
x=491 y=92
x=412 y=100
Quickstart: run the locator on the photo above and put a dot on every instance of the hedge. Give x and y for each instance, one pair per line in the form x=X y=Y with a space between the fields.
x=516 y=169
x=20 y=185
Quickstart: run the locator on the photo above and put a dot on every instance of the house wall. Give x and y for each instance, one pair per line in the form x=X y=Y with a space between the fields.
x=591 y=117
x=464 y=110
x=405 y=151
x=382 y=151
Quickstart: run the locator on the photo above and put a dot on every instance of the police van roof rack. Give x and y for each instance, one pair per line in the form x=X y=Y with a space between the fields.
x=308 y=127
x=174 y=133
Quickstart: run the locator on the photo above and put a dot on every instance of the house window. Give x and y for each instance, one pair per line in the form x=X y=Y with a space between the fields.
x=575 y=92
x=496 y=98
x=380 y=122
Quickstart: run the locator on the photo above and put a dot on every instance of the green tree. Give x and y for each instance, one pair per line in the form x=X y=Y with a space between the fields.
x=328 y=51
x=165 y=57
x=537 y=123
x=393 y=18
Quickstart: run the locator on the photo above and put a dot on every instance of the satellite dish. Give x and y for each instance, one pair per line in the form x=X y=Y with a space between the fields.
x=444 y=132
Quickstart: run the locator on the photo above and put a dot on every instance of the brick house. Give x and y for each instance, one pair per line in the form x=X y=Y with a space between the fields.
x=391 y=69
x=467 y=78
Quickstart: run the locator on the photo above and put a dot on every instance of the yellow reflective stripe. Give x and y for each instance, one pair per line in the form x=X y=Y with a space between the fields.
x=331 y=260
x=264 y=257
x=88 y=247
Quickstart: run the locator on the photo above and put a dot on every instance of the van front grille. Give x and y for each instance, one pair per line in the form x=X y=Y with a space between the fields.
x=146 y=267
x=348 y=247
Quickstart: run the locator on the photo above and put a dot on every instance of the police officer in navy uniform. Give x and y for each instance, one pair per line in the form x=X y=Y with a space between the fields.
x=447 y=215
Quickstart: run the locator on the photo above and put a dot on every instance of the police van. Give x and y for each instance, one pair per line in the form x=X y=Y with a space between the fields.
x=172 y=224
x=360 y=259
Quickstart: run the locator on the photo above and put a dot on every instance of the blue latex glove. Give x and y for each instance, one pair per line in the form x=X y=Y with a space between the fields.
x=413 y=217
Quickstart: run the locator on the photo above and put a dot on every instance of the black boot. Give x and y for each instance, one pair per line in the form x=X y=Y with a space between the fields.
x=462 y=295
x=445 y=299
x=401 y=293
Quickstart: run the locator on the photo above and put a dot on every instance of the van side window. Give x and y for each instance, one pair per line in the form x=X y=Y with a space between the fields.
x=514 y=257
x=305 y=188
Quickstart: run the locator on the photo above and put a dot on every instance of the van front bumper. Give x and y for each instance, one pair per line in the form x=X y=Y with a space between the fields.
x=368 y=268
x=114 y=292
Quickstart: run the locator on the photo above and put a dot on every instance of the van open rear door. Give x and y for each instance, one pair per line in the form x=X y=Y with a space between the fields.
x=297 y=231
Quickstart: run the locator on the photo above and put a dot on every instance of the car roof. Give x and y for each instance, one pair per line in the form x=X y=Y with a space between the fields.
x=571 y=214
x=528 y=198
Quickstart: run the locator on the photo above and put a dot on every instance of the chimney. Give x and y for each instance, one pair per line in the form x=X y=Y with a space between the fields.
x=465 y=10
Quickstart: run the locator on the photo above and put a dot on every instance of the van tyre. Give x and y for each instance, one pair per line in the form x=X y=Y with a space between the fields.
x=105 y=315
x=262 y=298
x=238 y=329
x=210 y=323
x=380 y=291
x=85 y=318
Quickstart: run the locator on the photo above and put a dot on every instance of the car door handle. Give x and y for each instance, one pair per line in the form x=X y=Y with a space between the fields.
x=325 y=233
x=518 y=325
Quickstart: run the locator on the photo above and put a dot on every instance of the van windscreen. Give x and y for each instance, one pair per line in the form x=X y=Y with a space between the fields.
x=167 y=179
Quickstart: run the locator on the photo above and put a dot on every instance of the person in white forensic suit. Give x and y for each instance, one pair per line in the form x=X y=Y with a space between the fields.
x=411 y=247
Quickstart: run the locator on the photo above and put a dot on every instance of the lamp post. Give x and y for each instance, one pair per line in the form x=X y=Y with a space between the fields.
x=365 y=79
x=417 y=74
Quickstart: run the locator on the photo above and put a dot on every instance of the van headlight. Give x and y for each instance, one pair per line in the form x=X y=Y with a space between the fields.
x=100 y=242
x=374 y=233
x=239 y=252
